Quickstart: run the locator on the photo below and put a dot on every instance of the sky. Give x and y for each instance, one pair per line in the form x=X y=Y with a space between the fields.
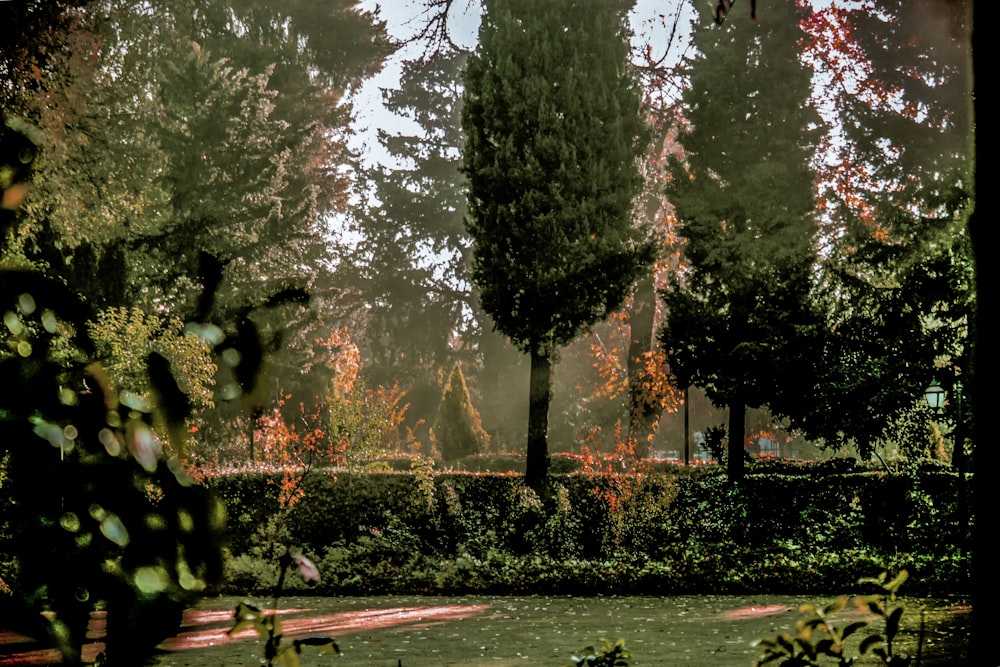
x=403 y=20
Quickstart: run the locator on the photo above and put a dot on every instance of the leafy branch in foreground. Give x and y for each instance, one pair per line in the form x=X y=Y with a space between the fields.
x=611 y=655
x=818 y=637
x=268 y=626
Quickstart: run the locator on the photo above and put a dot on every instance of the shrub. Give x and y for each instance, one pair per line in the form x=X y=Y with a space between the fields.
x=457 y=431
x=434 y=532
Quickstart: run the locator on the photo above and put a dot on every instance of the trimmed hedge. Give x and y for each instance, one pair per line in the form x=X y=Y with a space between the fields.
x=691 y=532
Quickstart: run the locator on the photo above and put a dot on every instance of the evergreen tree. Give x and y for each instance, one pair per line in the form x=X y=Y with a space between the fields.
x=409 y=270
x=740 y=322
x=554 y=132
x=409 y=273
x=898 y=275
x=457 y=429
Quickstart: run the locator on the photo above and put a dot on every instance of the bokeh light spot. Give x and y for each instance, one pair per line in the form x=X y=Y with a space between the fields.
x=70 y=521
x=26 y=303
x=113 y=529
x=13 y=323
x=49 y=321
x=110 y=441
x=185 y=521
x=151 y=579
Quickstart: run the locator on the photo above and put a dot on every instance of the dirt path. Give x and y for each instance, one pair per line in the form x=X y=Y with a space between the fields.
x=713 y=631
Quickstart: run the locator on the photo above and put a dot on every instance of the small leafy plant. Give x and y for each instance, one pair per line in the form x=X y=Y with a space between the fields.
x=819 y=640
x=611 y=655
x=268 y=626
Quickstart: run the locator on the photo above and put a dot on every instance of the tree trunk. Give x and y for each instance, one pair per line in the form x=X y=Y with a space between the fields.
x=540 y=393
x=735 y=466
x=985 y=458
x=644 y=412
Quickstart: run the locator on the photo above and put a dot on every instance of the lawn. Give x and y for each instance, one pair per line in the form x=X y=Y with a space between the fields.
x=387 y=631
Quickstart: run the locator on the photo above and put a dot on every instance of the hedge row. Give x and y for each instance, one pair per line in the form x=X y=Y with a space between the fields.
x=685 y=532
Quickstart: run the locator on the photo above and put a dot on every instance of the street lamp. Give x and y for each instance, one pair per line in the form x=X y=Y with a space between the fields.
x=934 y=395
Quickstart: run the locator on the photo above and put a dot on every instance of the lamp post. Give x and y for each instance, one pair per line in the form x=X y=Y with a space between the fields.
x=935 y=396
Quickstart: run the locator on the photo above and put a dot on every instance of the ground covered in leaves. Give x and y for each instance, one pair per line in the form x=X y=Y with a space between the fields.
x=714 y=631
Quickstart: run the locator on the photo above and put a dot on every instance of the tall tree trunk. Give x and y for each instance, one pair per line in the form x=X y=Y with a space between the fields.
x=540 y=393
x=737 y=434
x=985 y=458
x=644 y=411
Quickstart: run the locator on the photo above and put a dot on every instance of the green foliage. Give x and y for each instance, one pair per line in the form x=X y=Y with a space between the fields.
x=268 y=627
x=411 y=258
x=819 y=637
x=897 y=278
x=610 y=655
x=99 y=515
x=741 y=323
x=364 y=423
x=554 y=132
x=809 y=531
x=715 y=441
x=126 y=337
x=457 y=429
x=174 y=136
x=100 y=501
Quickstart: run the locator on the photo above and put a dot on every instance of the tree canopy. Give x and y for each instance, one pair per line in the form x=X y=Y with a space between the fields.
x=740 y=322
x=554 y=131
x=895 y=191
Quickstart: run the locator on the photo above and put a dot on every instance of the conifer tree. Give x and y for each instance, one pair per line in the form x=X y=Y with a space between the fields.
x=554 y=130
x=895 y=193
x=740 y=321
x=457 y=429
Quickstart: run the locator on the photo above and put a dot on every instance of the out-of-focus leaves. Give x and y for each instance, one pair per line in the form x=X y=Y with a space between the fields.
x=306 y=567
x=210 y=269
x=247 y=343
x=174 y=404
x=818 y=635
x=288 y=295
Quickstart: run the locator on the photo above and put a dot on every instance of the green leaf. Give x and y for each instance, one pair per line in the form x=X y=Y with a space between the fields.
x=851 y=629
x=322 y=644
x=897 y=581
x=835 y=606
x=247 y=615
x=806 y=648
x=828 y=647
x=785 y=641
x=873 y=603
x=869 y=643
x=892 y=623
x=288 y=659
x=879 y=580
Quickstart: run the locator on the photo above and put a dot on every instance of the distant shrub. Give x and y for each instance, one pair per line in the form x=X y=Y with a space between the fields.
x=495 y=463
x=457 y=430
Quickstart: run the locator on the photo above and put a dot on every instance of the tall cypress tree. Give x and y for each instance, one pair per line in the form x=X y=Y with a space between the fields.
x=554 y=131
x=739 y=321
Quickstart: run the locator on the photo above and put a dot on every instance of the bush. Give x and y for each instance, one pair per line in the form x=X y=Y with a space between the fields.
x=453 y=533
x=458 y=431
